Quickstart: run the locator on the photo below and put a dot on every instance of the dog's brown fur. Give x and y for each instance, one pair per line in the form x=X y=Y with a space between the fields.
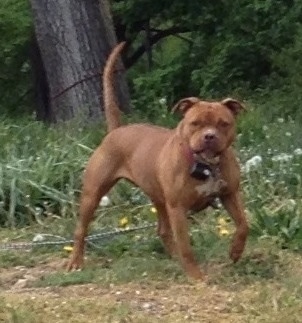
x=158 y=160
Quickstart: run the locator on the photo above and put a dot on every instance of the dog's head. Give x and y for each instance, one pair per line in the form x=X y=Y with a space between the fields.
x=207 y=127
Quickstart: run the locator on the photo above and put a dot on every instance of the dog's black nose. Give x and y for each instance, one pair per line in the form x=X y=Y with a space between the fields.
x=210 y=136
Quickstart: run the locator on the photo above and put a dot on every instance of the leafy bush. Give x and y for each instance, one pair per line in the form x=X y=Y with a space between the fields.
x=235 y=51
x=239 y=54
x=15 y=79
x=226 y=48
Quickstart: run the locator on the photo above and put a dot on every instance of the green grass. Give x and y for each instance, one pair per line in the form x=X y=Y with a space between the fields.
x=41 y=168
x=40 y=173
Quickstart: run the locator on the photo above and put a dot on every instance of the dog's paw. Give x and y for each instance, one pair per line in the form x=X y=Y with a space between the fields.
x=199 y=275
x=235 y=254
x=195 y=273
x=74 y=264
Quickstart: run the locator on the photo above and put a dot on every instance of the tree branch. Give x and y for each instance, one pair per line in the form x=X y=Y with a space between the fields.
x=160 y=34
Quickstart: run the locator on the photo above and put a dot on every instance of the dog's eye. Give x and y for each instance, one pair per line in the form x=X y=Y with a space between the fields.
x=224 y=124
x=194 y=123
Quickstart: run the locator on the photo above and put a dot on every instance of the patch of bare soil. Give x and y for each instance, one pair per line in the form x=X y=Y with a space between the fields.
x=132 y=302
x=15 y=278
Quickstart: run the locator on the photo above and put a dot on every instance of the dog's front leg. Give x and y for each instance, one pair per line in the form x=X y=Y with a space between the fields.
x=234 y=205
x=179 y=224
x=164 y=230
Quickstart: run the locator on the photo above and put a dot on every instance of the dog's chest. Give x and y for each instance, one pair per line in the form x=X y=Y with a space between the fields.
x=210 y=187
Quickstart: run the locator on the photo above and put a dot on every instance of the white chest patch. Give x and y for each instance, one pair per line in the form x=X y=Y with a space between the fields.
x=211 y=186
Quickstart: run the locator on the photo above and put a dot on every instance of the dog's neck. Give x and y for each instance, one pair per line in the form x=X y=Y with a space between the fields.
x=200 y=168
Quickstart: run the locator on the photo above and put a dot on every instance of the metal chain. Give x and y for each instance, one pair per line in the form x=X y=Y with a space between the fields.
x=90 y=238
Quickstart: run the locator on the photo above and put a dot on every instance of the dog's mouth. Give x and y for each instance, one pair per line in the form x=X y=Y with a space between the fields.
x=207 y=155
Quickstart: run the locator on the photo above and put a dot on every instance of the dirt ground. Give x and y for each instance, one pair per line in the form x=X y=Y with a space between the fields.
x=131 y=302
x=264 y=287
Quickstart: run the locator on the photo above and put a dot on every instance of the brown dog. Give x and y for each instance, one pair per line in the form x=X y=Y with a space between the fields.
x=180 y=169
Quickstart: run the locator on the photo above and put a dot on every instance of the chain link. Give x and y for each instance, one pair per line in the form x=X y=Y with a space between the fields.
x=93 y=237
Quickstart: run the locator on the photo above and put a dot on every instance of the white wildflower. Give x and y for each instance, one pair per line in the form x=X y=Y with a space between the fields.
x=38 y=238
x=291 y=205
x=38 y=210
x=280 y=120
x=298 y=152
x=252 y=163
x=162 y=101
x=283 y=157
x=288 y=134
x=105 y=201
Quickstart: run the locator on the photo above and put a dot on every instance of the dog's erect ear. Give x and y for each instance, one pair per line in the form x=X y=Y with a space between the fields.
x=233 y=105
x=184 y=105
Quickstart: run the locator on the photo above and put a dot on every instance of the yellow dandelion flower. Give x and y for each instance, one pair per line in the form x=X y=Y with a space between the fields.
x=68 y=248
x=123 y=221
x=222 y=221
x=153 y=210
x=224 y=232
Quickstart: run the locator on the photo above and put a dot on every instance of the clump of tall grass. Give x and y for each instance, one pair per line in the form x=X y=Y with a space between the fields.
x=271 y=157
x=40 y=169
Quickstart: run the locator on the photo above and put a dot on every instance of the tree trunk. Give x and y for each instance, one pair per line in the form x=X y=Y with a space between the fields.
x=41 y=90
x=75 y=38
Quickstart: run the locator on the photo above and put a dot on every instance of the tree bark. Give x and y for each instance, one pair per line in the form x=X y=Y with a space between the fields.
x=40 y=85
x=75 y=38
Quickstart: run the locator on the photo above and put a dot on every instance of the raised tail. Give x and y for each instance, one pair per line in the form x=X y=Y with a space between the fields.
x=111 y=109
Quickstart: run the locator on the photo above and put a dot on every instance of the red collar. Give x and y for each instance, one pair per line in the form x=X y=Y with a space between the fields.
x=188 y=153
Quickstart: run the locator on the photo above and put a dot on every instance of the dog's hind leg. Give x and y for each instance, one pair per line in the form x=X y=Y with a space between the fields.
x=99 y=177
